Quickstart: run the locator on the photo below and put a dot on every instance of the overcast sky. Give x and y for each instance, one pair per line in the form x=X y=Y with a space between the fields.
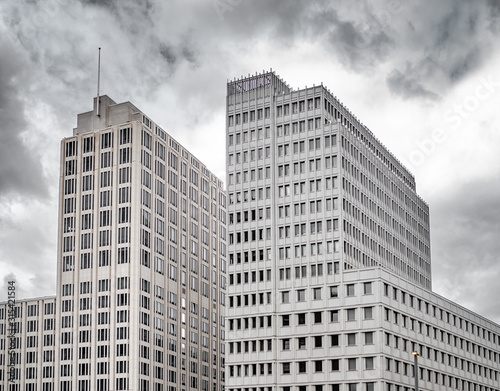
x=423 y=76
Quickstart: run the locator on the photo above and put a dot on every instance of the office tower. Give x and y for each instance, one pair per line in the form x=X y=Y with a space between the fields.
x=329 y=257
x=141 y=259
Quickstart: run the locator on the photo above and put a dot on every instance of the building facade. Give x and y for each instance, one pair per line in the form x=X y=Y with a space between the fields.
x=141 y=262
x=314 y=199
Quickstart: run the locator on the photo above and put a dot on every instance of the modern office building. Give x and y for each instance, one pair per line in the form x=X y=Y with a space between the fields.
x=141 y=267
x=329 y=257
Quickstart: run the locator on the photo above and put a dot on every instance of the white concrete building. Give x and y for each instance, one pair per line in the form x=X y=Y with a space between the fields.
x=323 y=221
x=141 y=263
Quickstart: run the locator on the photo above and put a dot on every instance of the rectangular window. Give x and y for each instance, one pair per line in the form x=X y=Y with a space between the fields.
x=301 y=295
x=350 y=290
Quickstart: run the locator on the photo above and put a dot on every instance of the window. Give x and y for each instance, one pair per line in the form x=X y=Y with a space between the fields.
x=369 y=386
x=369 y=338
x=334 y=315
x=335 y=364
x=302 y=366
x=318 y=341
x=368 y=312
x=317 y=317
x=285 y=320
x=367 y=288
x=369 y=363
x=351 y=314
x=318 y=366
x=285 y=297
x=301 y=295
x=301 y=319
x=317 y=293
x=334 y=340
x=334 y=291
x=351 y=364
x=302 y=343
x=351 y=339
x=350 y=289
x=285 y=344
x=286 y=368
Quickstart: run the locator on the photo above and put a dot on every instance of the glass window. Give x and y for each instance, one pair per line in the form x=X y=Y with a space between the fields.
x=350 y=289
x=301 y=295
x=334 y=316
x=286 y=368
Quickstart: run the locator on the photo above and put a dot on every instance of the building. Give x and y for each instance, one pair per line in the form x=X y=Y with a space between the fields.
x=329 y=257
x=141 y=267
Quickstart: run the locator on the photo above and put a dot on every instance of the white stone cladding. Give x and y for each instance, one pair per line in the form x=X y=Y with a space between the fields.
x=315 y=200
x=29 y=343
x=140 y=296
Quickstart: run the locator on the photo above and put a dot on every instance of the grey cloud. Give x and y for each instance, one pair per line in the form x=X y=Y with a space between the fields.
x=465 y=231
x=444 y=47
x=493 y=22
x=168 y=53
x=408 y=87
x=359 y=40
x=360 y=45
x=20 y=169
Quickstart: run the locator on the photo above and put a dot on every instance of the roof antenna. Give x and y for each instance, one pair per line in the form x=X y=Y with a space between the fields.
x=98 y=81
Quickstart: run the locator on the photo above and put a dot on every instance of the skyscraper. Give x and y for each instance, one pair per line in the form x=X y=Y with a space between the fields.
x=329 y=256
x=140 y=271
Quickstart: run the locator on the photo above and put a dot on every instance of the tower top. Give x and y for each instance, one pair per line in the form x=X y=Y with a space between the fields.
x=262 y=80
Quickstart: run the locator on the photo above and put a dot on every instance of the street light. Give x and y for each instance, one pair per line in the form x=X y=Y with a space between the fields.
x=416 y=355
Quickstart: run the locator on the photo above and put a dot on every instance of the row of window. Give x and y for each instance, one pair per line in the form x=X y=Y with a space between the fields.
x=301 y=367
x=440 y=313
x=300 y=343
x=368 y=386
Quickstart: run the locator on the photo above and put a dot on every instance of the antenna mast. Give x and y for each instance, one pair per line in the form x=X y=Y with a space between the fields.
x=98 y=81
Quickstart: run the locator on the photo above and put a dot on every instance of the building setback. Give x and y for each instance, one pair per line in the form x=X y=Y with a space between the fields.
x=329 y=257
x=141 y=267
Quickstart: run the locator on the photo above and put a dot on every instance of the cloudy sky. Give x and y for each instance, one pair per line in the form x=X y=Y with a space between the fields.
x=423 y=76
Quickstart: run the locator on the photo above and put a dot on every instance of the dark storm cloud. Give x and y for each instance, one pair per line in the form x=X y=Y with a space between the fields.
x=494 y=20
x=443 y=47
x=123 y=9
x=408 y=87
x=20 y=169
x=359 y=40
x=466 y=230
x=168 y=53
x=359 y=44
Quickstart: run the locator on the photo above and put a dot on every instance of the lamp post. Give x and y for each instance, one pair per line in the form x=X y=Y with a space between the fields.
x=416 y=355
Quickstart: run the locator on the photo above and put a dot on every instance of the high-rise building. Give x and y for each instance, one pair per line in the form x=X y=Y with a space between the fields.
x=141 y=267
x=329 y=257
